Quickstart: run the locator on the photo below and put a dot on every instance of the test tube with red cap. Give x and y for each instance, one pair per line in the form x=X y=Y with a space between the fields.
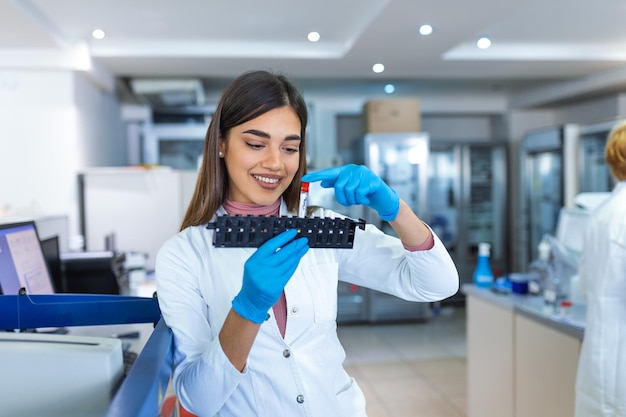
x=304 y=197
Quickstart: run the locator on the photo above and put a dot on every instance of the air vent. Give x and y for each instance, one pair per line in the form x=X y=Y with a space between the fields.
x=168 y=93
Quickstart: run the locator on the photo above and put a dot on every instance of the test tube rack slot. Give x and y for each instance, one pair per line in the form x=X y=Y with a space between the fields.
x=253 y=231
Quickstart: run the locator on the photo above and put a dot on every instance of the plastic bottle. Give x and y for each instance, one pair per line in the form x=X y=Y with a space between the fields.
x=539 y=269
x=576 y=291
x=483 y=275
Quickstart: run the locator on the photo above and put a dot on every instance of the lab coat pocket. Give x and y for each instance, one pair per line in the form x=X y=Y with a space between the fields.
x=321 y=280
x=352 y=400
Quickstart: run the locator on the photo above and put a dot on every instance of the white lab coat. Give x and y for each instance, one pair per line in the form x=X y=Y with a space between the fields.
x=302 y=374
x=601 y=379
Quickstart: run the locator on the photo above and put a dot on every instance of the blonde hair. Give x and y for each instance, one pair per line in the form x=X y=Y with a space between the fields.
x=615 y=151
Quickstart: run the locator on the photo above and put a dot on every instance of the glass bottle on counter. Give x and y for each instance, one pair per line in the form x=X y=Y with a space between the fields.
x=483 y=275
x=552 y=285
x=539 y=269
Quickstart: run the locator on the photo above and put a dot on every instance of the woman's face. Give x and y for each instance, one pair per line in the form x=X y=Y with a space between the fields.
x=262 y=156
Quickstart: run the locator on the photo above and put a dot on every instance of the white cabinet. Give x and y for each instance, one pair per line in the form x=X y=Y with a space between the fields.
x=489 y=359
x=546 y=361
x=518 y=365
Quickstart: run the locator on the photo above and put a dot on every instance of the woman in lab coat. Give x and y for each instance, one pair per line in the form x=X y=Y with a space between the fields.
x=601 y=379
x=255 y=329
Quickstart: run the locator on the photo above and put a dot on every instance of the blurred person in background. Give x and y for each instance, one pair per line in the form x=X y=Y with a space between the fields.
x=601 y=378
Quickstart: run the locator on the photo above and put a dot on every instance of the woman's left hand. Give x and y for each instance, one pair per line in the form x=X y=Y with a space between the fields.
x=356 y=184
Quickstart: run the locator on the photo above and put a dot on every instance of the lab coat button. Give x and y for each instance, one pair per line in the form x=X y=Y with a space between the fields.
x=300 y=399
x=286 y=353
x=295 y=310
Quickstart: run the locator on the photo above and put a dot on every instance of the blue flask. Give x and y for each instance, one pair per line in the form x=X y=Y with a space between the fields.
x=483 y=275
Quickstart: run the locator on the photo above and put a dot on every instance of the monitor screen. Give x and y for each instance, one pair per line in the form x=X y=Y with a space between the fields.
x=570 y=230
x=22 y=262
x=52 y=255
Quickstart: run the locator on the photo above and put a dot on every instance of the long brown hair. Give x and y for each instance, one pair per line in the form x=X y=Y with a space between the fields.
x=250 y=95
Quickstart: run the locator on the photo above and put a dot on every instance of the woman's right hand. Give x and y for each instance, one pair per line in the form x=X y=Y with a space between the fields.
x=266 y=273
x=357 y=184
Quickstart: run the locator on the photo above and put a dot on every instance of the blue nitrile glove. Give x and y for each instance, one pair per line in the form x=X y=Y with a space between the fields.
x=266 y=273
x=356 y=184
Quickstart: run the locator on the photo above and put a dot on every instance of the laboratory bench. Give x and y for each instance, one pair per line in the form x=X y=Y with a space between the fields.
x=88 y=360
x=522 y=355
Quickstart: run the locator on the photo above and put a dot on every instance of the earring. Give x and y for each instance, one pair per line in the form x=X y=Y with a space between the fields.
x=220 y=154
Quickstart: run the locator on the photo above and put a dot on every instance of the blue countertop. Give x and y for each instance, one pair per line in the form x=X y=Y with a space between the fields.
x=571 y=321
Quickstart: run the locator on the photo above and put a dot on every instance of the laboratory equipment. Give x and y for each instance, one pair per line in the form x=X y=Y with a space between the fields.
x=519 y=283
x=563 y=266
x=253 y=231
x=538 y=270
x=304 y=199
x=58 y=375
x=175 y=145
x=94 y=272
x=552 y=288
x=141 y=392
x=570 y=228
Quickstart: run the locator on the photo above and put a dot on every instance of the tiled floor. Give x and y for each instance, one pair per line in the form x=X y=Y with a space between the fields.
x=411 y=369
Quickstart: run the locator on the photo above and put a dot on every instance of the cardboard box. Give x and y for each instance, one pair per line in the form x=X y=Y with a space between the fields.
x=392 y=115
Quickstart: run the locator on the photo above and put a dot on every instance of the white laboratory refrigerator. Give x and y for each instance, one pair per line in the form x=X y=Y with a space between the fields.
x=400 y=159
x=467 y=201
x=594 y=175
x=547 y=184
x=558 y=163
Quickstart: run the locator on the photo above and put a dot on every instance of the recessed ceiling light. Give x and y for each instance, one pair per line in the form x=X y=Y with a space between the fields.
x=98 y=34
x=426 y=30
x=313 y=36
x=378 y=68
x=483 y=43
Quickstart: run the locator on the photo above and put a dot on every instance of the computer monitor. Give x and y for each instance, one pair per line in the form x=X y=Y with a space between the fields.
x=52 y=255
x=570 y=230
x=22 y=262
x=95 y=272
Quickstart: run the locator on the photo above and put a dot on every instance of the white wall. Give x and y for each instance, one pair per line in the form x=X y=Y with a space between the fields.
x=52 y=125
x=590 y=111
x=100 y=127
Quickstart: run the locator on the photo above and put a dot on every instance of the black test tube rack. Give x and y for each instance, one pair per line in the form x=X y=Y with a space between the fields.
x=253 y=231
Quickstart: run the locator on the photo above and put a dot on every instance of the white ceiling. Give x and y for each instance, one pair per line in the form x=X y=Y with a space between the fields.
x=532 y=40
